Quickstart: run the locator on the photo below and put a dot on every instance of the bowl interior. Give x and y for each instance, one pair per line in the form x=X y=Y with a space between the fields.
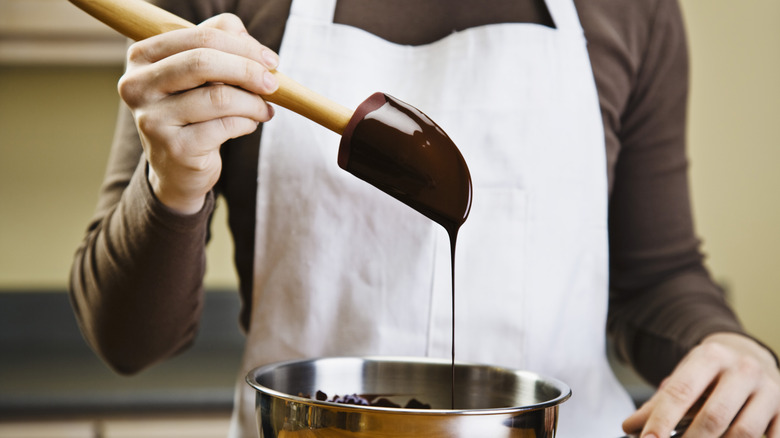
x=477 y=387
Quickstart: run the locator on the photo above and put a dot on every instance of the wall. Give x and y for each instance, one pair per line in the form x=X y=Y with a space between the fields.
x=56 y=124
x=55 y=128
x=735 y=150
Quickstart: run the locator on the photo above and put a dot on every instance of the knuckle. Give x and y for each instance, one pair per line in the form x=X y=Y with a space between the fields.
x=679 y=391
x=206 y=37
x=125 y=88
x=713 y=351
x=136 y=53
x=219 y=96
x=162 y=142
x=198 y=59
x=236 y=126
x=714 y=418
x=228 y=20
x=145 y=122
x=131 y=88
x=743 y=430
x=749 y=366
x=229 y=124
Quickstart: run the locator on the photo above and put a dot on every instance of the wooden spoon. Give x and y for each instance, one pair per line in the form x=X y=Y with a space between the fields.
x=138 y=20
x=385 y=142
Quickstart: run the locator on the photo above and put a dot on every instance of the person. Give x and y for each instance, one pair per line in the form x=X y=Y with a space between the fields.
x=571 y=117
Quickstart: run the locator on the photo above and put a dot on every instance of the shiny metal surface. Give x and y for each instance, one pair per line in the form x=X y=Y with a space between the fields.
x=489 y=401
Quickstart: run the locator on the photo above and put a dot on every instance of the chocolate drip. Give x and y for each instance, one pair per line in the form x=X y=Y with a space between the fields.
x=401 y=151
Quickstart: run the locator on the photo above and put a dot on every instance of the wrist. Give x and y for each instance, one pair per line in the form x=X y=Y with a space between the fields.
x=177 y=202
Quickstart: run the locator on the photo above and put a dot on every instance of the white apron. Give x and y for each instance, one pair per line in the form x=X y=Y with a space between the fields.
x=344 y=269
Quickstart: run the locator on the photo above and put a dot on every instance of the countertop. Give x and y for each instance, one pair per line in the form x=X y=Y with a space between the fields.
x=47 y=370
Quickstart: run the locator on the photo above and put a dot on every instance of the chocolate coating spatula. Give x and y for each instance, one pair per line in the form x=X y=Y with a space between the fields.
x=385 y=142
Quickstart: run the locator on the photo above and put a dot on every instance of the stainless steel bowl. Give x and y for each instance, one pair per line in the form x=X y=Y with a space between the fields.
x=489 y=401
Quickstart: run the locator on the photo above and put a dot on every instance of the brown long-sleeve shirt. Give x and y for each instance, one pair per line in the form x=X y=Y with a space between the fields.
x=137 y=277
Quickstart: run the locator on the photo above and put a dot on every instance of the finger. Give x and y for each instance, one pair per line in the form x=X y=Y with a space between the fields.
x=233 y=25
x=733 y=389
x=168 y=122
x=251 y=48
x=218 y=131
x=759 y=415
x=227 y=22
x=774 y=428
x=637 y=420
x=192 y=69
x=214 y=101
x=681 y=390
x=225 y=33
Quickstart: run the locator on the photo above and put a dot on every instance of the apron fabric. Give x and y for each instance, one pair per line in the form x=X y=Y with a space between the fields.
x=343 y=269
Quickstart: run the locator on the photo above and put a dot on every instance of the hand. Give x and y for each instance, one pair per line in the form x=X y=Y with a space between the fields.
x=735 y=380
x=190 y=90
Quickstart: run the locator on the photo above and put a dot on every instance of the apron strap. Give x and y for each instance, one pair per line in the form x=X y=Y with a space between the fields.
x=564 y=15
x=317 y=10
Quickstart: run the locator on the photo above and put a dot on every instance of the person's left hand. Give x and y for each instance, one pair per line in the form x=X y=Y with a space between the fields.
x=734 y=379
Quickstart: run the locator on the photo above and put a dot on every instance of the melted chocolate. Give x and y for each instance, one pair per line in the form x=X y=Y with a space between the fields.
x=398 y=149
x=401 y=151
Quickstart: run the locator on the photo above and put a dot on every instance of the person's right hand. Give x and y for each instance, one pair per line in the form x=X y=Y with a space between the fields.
x=190 y=90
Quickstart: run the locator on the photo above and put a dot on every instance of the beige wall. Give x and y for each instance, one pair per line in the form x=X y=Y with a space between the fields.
x=56 y=124
x=55 y=127
x=735 y=151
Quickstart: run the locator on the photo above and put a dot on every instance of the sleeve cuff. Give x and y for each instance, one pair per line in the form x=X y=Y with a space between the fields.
x=162 y=214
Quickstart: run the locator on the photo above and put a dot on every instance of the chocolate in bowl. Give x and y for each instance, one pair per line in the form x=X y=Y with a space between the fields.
x=489 y=401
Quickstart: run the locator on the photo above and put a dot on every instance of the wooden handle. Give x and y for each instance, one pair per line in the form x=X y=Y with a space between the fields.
x=138 y=20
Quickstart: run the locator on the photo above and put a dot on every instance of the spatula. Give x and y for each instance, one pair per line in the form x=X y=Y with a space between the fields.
x=385 y=142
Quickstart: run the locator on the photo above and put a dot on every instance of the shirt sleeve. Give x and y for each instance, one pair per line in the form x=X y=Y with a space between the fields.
x=136 y=279
x=662 y=299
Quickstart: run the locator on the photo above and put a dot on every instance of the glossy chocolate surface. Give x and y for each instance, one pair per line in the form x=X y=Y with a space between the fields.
x=401 y=151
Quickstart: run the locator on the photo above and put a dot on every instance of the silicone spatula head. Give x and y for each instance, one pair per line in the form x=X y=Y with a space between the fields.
x=401 y=151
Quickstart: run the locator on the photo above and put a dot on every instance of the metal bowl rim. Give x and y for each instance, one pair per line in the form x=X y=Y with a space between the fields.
x=564 y=388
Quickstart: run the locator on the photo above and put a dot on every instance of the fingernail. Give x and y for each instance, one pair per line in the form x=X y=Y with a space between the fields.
x=271 y=59
x=270 y=81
